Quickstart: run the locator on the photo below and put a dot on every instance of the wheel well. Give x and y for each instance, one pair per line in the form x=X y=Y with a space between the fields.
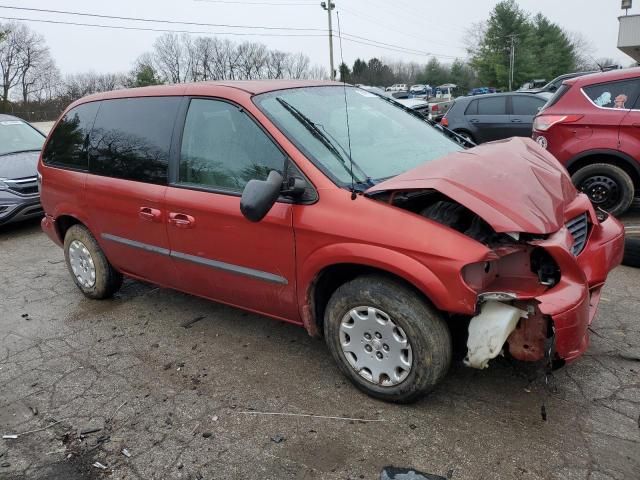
x=64 y=223
x=332 y=277
x=620 y=162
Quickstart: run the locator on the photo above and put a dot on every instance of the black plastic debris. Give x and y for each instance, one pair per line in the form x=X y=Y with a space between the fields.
x=397 y=473
x=278 y=439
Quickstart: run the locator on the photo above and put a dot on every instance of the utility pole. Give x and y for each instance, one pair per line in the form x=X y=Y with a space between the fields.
x=512 y=60
x=328 y=6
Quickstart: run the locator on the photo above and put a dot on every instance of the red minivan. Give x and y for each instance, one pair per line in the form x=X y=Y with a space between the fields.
x=592 y=126
x=336 y=209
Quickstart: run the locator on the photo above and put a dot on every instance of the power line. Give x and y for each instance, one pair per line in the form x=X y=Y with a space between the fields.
x=162 y=30
x=150 y=20
x=398 y=47
x=401 y=50
x=260 y=3
x=387 y=27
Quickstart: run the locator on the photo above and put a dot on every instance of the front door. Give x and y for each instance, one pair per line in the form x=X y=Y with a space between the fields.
x=490 y=121
x=523 y=109
x=217 y=252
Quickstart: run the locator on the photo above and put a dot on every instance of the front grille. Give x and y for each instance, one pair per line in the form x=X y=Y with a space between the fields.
x=23 y=186
x=579 y=228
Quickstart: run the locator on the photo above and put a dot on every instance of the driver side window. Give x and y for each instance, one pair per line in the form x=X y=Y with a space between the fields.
x=222 y=148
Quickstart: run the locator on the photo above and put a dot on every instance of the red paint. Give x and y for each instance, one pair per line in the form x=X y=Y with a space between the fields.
x=514 y=185
x=575 y=128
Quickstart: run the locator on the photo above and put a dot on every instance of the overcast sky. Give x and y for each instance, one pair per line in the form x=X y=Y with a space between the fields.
x=436 y=27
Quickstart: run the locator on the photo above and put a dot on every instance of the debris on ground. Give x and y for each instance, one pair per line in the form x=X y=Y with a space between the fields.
x=396 y=473
x=90 y=430
x=190 y=323
x=278 y=439
x=5 y=464
x=328 y=417
x=100 y=466
x=206 y=434
x=543 y=413
x=9 y=437
x=34 y=410
x=125 y=452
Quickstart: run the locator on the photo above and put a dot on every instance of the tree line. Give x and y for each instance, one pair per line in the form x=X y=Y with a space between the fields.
x=33 y=87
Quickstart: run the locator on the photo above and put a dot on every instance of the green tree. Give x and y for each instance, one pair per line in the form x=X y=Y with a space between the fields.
x=462 y=75
x=345 y=73
x=435 y=73
x=553 y=52
x=145 y=75
x=492 y=57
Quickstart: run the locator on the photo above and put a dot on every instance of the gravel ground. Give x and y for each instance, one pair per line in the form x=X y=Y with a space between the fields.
x=178 y=382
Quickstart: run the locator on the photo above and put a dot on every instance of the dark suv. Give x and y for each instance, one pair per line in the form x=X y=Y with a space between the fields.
x=483 y=118
x=592 y=126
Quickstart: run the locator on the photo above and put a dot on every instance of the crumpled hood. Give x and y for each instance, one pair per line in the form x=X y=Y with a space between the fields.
x=19 y=165
x=514 y=185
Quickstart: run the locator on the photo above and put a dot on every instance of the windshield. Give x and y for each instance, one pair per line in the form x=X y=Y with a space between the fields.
x=17 y=136
x=386 y=140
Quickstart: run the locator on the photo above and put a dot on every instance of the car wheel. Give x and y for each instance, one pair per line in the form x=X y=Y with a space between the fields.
x=89 y=267
x=607 y=186
x=386 y=339
x=632 y=252
x=466 y=135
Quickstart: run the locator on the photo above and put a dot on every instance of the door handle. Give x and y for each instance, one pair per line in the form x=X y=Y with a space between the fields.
x=151 y=214
x=516 y=120
x=474 y=120
x=182 y=220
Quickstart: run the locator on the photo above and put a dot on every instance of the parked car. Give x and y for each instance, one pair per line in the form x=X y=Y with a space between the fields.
x=415 y=104
x=377 y=235
x=591 y=126
x=483 y=118
x=533 y=84
x=20 y=145
x=398 y=87
x=554 y=84
x=419 y=90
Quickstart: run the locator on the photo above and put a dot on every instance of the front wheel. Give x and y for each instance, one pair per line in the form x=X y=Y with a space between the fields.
x=607 y=186
x=387 y=339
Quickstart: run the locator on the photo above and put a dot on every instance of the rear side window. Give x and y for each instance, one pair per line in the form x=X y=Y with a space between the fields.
x=131 y=138
x=524 y=105
x=564 y=88
x=492 y=106
x=618 y=95
x=67 y=146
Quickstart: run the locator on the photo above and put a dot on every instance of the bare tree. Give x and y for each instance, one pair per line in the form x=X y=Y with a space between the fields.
x=14 y=36
x=297 y=66
x=171 y=54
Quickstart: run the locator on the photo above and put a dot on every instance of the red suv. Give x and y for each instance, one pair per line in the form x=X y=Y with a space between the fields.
x=372 y=229
x=592 y=126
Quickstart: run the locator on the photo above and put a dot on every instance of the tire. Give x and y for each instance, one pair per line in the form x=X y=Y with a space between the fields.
x=105 y=280
x=466 y=135
x=607 y=186
x=426 y=334
x=632 y=252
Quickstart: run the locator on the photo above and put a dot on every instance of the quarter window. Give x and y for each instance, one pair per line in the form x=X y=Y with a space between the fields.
x=472 y=109
x=616 y=95
x=222 y=148
x=67 y=146
x=131 y=138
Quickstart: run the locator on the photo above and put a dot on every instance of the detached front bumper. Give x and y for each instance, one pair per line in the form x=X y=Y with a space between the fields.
x=573 y=302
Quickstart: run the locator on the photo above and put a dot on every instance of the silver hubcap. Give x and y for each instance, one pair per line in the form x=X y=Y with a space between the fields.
x=375 y=347
x=82 y=264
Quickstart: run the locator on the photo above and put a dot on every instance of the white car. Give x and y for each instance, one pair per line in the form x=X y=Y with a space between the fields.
x=398 y=87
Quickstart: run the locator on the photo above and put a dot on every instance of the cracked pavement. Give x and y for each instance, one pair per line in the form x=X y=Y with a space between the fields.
x=167 y=376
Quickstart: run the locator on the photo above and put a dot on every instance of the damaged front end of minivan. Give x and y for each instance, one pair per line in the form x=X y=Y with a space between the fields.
x=548 y=252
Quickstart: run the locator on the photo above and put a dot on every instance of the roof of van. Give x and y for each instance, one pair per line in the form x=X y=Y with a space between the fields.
x=252 y=87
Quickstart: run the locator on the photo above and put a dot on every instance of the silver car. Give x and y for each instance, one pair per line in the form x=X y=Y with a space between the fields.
x=20 y=145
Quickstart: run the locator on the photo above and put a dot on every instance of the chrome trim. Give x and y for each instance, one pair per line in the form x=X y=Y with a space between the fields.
x=218 y=265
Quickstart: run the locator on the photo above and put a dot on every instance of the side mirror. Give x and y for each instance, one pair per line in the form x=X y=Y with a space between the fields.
x=259 y=196
x=295 y=188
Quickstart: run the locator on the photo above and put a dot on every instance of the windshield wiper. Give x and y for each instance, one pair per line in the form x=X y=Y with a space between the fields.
x=327 y=142
x=21 y=151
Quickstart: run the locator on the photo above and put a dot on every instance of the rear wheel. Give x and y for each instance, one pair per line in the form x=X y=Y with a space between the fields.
x=632 y=252
x=89 y=267
x=387 y=339
x=607 y=186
